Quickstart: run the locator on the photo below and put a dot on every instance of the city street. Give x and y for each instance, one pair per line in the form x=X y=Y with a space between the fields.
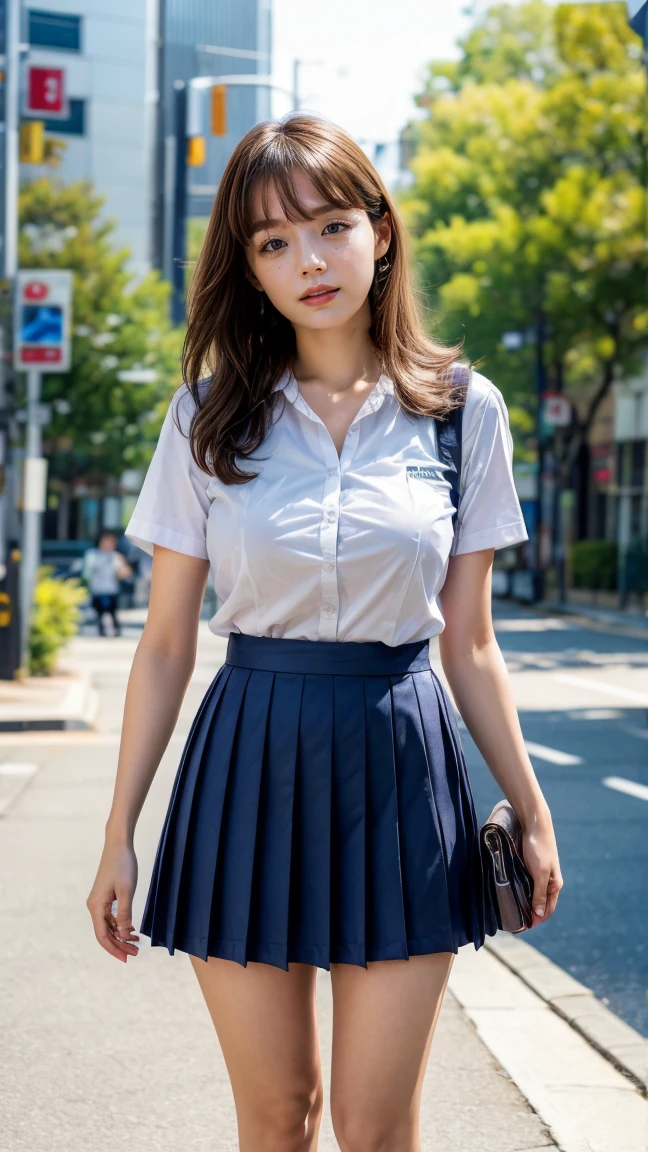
x=582 y=695
x=96 y=1052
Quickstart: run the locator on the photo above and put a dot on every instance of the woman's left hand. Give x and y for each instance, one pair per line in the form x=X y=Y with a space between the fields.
x=540 y=854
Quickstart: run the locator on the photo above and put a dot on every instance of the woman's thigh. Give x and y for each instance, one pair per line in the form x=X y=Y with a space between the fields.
x=266 y=1023
x=384 y=1019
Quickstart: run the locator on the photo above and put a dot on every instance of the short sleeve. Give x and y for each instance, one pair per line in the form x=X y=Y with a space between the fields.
x=489 y=513
x=173 y=504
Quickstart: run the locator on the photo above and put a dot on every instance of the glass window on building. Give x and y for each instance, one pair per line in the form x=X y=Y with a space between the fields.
x=54 y=30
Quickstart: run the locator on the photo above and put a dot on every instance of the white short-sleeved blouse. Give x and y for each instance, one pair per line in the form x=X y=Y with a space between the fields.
x=321 y=547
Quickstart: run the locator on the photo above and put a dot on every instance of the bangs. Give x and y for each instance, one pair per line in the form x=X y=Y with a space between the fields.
x=274 y=172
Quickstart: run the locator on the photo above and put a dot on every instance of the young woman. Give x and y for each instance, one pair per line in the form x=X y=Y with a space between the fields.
x=322 y=813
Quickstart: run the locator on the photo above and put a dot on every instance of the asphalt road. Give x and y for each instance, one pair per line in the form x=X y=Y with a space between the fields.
x=582 y=696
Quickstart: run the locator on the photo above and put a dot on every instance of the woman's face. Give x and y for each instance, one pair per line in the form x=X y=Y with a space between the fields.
x=337 y=249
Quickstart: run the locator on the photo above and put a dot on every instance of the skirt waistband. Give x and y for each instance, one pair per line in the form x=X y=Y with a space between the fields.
x=328 y=657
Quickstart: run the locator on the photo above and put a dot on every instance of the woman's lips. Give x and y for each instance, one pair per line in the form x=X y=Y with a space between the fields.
x=321 y=297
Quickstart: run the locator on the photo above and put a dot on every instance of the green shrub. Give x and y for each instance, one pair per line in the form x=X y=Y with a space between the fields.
x=594 y=564
x=54 y=620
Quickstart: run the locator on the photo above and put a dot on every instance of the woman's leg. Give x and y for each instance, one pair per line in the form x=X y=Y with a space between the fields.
x=266 y=1022
x=384 y=1018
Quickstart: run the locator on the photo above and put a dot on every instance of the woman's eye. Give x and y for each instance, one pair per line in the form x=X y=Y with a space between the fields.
x=337 y=224
x=265 y=247
x=332 y=224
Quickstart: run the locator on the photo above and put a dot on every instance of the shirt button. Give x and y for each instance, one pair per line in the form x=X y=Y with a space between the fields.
x=328 y=566
x=330 y=513
x=331 y=472
x=329 y=609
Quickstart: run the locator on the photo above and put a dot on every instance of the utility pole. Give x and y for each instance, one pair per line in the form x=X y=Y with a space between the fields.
x=179 y=227
x=34 y=494
x=9 y=174
x=10 y=55
x=297 y=64
x=159 y=162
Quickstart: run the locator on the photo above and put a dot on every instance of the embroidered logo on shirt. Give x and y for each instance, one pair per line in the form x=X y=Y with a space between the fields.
x=423 y=472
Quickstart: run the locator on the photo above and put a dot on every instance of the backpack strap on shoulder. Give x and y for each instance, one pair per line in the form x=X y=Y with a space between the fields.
x=449 y=433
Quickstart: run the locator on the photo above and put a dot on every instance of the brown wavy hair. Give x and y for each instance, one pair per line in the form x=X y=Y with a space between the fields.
x=238 y=345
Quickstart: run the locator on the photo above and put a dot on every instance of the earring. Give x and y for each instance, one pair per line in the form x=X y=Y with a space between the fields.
x=383 y=264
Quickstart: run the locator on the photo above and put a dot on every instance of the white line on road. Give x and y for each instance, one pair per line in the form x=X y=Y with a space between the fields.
x=552 y=755
x=629 y=786
x=632 y=730
x=597 y=686
x=17 y=769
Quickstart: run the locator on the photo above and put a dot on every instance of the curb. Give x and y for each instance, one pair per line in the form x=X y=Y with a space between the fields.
x=76 y=711
x=633 y=627
x=617 y=1041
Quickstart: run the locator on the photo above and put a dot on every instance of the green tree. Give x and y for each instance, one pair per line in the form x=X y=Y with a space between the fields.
x=100 y=424
x=529 y=198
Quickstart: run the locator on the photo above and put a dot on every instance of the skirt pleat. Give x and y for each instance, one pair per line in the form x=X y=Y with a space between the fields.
x=320 y=817
x=160 y=911
x=268 y=931
x=385 y=907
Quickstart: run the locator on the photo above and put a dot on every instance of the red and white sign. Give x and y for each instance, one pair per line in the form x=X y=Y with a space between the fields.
x=42 y=316
x=45 y=93
x=556 y=410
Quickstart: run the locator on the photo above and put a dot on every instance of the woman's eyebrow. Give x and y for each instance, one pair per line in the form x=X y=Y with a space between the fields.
x=318 y=210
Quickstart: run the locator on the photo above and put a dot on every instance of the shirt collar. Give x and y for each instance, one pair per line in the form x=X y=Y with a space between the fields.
x=385 y=386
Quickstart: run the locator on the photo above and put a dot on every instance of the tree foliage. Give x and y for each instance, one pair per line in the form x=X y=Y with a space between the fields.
x=100 y=424
x=529 y=197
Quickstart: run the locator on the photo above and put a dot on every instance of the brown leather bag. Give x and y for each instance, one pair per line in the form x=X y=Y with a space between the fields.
x=509 y=881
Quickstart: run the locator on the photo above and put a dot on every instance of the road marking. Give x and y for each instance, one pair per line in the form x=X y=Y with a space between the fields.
x=632 y=730
x=552 y=755
x=629 y=786
x=597 y=686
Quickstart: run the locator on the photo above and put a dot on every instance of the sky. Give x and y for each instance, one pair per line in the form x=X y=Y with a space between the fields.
x=372 y=58
x=373 y=55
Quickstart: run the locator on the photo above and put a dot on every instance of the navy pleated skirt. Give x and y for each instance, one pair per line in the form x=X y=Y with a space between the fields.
x=321 y=813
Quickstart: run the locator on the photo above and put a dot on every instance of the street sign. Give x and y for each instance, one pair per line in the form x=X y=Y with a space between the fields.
x=556 y=410
x=45 y=93
x=42 y=320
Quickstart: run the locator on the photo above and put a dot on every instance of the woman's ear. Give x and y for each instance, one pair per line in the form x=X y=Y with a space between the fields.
x=383 y=232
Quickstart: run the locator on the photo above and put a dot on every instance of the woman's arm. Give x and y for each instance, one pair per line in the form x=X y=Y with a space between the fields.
x=476 y=672
x=158 y=680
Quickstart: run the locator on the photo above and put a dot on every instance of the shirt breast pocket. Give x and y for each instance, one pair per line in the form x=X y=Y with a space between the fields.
x=429 y=494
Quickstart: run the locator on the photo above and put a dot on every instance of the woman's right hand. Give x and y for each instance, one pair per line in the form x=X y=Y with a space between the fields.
x=116 y=880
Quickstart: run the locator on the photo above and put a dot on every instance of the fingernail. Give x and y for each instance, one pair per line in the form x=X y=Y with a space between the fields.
x=539 y=911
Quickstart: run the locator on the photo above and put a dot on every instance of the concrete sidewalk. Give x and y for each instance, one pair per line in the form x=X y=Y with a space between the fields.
x=95 y=1052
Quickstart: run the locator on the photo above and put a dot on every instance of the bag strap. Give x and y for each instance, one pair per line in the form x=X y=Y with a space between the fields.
x=449 y=434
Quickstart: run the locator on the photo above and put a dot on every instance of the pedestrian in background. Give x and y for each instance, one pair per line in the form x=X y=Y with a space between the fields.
x=103 y=568
x=322 y=813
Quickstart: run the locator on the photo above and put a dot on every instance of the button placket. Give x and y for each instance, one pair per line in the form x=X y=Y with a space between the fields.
x=330 y=603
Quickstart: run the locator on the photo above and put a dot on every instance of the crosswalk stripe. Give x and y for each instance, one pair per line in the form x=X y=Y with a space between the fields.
x=552 y=755
x=640 y=791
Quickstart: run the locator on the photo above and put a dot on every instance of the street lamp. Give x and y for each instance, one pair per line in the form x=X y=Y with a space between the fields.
x=196 y=84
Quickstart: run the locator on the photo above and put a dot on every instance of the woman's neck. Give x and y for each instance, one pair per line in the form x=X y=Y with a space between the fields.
x=337 y=358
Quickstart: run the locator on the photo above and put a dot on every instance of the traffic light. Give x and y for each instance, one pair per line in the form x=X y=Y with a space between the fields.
x=31 y=149
x=219 y=110
x=196 y=151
